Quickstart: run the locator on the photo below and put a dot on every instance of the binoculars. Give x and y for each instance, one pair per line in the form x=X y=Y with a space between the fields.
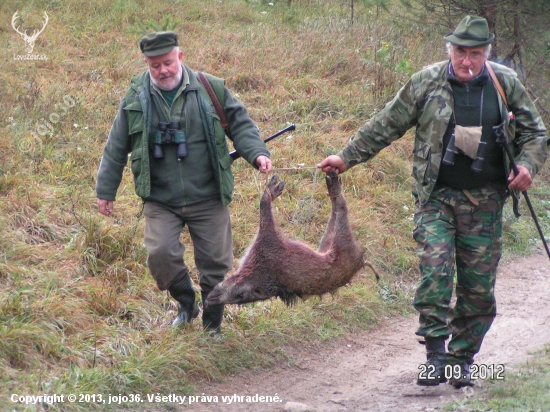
x=452 y=151
x=169 y=133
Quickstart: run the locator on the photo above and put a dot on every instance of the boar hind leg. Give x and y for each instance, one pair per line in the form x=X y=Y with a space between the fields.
x=271 y=192
x=338 y=209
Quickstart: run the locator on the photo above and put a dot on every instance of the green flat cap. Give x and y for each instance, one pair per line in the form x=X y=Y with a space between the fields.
x=159 y=43
x=472 y=31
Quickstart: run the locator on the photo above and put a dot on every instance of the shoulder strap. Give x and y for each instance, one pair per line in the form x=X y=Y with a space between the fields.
x=515 y=199
x=497 y=83
x=215 y=101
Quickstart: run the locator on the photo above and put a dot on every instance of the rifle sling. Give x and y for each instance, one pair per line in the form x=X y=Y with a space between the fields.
x=515 y=200
x=215 y=101
x=497 y=83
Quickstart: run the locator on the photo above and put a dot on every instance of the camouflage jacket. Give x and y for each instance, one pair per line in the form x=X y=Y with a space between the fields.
x=426 y=103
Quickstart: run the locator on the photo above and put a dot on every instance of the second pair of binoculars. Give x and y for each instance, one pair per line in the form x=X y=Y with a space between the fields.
x=169 y=133
x=452 y=151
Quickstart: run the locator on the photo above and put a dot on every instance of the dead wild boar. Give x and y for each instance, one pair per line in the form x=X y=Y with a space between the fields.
x=275 y=265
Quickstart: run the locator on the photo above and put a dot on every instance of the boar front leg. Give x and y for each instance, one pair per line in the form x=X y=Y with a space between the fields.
x=338 y=207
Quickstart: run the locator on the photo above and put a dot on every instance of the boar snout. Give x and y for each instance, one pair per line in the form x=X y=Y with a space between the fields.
x=225 y=293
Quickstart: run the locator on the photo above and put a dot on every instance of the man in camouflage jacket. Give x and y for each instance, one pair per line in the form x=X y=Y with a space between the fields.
x=165 y=110
x=459 y=197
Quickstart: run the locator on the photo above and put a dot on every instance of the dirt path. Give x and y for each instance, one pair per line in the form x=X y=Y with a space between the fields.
x=376 y=370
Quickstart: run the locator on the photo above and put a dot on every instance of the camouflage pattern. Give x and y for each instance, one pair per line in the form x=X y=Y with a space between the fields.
x=425 y=102
x=452 y=233
x=450 y=222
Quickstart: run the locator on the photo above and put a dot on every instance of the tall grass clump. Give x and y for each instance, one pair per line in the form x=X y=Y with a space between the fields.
x=79 y=312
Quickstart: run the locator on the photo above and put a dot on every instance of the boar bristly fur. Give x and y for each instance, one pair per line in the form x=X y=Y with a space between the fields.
x=276 y=266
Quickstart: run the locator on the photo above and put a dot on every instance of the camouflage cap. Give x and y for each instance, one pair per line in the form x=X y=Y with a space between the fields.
x=472 y=31
x=159 y=43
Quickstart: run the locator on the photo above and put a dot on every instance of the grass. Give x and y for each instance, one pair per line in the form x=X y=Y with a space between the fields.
x=525 y=389
x=79 y=312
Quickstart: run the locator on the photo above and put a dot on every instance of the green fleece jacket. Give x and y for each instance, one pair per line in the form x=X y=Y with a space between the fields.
x=206 y=172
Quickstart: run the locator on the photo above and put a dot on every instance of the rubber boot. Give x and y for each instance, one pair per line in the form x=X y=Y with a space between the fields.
x=212 y=317
x=182 y=290
x=433 y=371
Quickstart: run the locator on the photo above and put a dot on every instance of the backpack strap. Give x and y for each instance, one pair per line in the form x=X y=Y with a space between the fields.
x=215 y=101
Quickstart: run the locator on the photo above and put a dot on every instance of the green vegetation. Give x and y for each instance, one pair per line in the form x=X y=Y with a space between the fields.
x=79 y=312
x=527 y=389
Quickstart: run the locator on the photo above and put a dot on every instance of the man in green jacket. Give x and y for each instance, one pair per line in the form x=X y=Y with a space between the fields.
x=182 y=170
x=462 y=181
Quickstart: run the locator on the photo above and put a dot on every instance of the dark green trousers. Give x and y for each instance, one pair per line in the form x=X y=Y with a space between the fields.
x=210 y=229
x=455 y=235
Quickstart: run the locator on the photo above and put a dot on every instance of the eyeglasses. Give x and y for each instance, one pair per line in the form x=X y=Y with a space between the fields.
x=461 y=55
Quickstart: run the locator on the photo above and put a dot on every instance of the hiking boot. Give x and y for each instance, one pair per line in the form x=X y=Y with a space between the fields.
x=463 y=379
x=432 y=373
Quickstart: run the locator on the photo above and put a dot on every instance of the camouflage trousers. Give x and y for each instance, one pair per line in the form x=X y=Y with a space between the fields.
x=454 y=234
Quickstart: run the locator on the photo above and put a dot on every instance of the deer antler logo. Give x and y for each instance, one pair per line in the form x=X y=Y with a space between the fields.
x=32 y=38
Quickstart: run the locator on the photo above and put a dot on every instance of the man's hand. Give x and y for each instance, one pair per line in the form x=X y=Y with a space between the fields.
x=333 y=163
x=263 y=163
x=105 y=206
x=521 y=182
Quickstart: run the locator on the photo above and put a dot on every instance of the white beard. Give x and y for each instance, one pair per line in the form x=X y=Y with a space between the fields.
x=170 y=84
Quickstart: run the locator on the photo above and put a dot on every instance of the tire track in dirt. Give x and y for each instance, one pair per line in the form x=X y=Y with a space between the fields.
x=376 y=370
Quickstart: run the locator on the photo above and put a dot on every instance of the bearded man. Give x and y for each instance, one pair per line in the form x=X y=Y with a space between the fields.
x=182 y=170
